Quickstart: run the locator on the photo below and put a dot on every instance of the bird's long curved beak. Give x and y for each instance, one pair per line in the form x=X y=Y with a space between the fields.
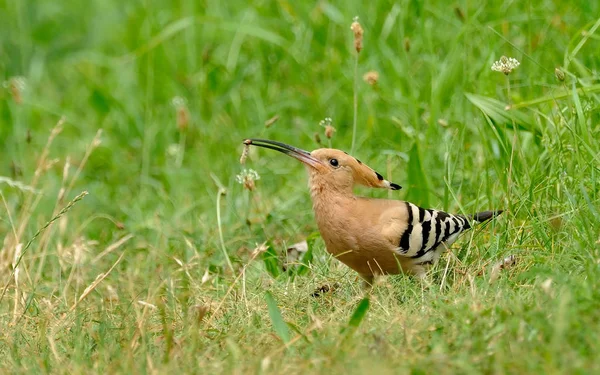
x=297 y=153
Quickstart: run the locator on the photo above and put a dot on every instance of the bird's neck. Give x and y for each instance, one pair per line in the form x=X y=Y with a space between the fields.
x=327 y=197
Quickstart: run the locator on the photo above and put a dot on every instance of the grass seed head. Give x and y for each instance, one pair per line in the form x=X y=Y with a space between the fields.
x=182 y=113
x=371 y=77
x=183 y=118
x=358 y=34
x=329 y=129
x=245 y=154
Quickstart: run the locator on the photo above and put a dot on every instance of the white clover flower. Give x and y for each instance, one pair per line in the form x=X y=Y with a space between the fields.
x=247 y=178
x=505 y=65
x=329 y=129
x=326 y=121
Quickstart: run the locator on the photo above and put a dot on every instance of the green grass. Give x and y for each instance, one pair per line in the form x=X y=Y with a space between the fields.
x=133 y=278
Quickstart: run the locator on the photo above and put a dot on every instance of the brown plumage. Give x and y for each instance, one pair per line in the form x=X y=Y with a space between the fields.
x=372 y=236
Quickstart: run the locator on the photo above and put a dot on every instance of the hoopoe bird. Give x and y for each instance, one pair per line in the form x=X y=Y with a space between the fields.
x=372 y=236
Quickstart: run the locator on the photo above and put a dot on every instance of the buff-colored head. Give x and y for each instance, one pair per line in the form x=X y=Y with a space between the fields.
x=328 y=166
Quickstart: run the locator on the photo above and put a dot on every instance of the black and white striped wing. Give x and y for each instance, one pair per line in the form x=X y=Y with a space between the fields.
x=427 y=229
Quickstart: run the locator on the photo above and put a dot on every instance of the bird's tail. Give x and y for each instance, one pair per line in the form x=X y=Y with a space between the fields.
x=484 y=215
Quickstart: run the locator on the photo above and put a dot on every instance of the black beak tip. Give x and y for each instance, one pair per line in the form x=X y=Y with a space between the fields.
x=395 y=186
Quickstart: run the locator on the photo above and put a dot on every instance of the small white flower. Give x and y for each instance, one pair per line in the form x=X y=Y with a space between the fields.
x=505 y=65
x=326 y=121
x=247 y=178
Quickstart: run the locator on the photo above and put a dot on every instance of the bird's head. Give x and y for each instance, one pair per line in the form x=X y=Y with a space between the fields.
x=330 y=167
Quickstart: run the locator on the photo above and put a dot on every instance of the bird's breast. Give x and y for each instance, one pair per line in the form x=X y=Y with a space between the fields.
x=355 y=240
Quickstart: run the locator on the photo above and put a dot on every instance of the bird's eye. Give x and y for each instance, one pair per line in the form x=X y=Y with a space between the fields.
x=333 y=162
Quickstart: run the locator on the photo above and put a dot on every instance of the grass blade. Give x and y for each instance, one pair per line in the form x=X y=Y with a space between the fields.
x=279 y=324
x=497 y=112
x=357 y=317
x=271 y=261
x=58 y=216
x=562 y=94
x=359 y=313
x=418 y=182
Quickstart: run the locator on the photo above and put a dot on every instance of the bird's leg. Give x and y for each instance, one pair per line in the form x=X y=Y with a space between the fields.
x=420 y=272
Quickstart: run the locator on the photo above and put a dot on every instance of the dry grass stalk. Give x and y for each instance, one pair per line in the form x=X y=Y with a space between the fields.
x=4 y=262
x=271 y=121
x=358 y=45
x=28 y=204
x=77 y=254
x=31 y=199
x=64 y=191
x=41 y=230
x=94 y=284
x=112 y=247
x=59 y=325
x=96 y=141
x=18 y=185
x=16 y=271
x=242 y=272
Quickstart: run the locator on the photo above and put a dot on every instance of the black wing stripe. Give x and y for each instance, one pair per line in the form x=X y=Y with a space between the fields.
x=442 y=215
x=448 y=229
x=466 y=224
x=456 y=222
x=426 y=230
x=438 y=228
x=405 y=239
x=410 y=213
x=420 y=253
